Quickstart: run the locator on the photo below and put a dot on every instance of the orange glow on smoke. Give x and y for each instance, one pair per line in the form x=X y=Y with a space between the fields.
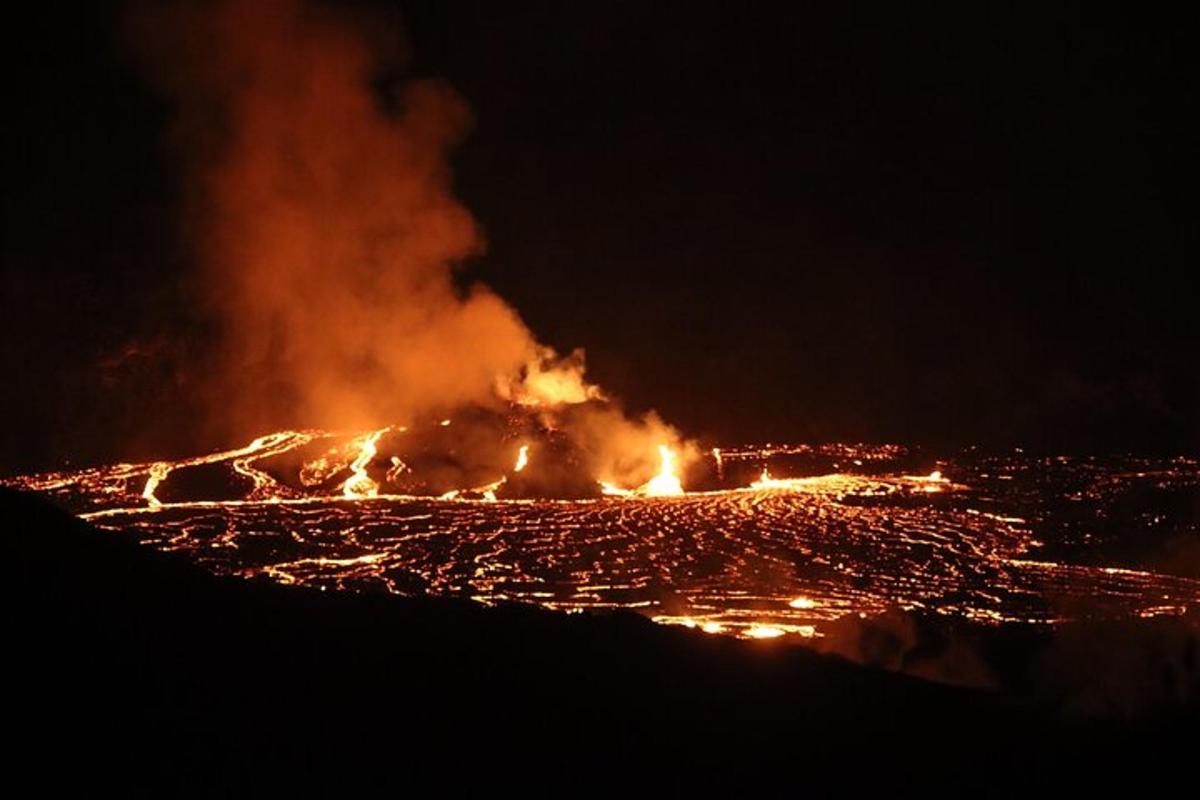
x=328 y=236
x=327 y=226
x=548 y=381
x=664 y=484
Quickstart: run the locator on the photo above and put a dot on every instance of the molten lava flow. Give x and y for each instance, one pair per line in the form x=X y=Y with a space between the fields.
x=357 y=201
x=359 y=484
x=665 y=484
x=765 y=481
x=394 y=471
x=264 y=487
x=158 y=472
x=779 y=560
x=486 y=492
x=764 y=632
x=933 y=482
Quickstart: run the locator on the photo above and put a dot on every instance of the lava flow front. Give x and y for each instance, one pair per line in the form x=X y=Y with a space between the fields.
x=855 y=531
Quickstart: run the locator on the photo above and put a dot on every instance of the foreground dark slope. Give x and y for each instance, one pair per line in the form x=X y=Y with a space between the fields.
x=128 y=666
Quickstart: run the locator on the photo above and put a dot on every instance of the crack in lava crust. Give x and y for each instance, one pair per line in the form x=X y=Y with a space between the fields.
x=786 y=558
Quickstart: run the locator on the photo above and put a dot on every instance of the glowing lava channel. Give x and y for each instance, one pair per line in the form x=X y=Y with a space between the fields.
x=665 y=484
x=360 y=485
x=781 y=558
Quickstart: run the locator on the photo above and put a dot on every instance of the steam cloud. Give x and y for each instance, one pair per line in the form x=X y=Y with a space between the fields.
x=329 y=233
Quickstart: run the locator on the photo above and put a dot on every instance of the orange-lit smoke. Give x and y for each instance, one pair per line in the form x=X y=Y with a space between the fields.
x=621 y=452
x=328 y=231
x=329 y=236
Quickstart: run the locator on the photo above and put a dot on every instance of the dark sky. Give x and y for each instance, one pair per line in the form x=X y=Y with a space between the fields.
x=938 y=225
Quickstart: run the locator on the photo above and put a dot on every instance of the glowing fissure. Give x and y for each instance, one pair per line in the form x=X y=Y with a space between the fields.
x=665 y=483
x=264 y=488
x=773 y=558
x=158 y=473
x=359 y=485
x=338 y=241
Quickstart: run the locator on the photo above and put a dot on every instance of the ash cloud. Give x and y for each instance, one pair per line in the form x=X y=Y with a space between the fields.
x=327 y=228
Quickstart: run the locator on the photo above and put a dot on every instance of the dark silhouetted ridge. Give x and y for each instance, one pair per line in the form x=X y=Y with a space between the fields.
x=129 y=668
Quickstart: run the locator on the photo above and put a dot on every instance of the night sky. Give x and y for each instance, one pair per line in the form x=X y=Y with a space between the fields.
x=940 y=226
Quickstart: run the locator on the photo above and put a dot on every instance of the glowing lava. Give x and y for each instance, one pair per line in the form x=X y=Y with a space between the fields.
x=764 y=632
x=158 y=472
x=665 y=484
x=359 y=485
x=765 y=481
x=780 y=558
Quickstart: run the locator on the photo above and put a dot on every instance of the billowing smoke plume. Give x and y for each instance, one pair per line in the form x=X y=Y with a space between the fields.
x=328 y=229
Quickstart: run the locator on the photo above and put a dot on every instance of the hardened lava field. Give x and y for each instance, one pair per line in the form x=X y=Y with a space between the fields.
x=978 y=539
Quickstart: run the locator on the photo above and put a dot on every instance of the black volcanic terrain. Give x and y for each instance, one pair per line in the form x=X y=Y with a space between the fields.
x=130 y=669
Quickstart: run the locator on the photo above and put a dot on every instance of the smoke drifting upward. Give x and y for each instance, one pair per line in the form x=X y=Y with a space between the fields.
x=327 y=229
x=328 y=234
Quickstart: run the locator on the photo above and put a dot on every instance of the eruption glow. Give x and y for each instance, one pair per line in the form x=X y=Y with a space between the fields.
x=359 y=484
x=666 y=482
x=775 y=559
x=329 y=236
